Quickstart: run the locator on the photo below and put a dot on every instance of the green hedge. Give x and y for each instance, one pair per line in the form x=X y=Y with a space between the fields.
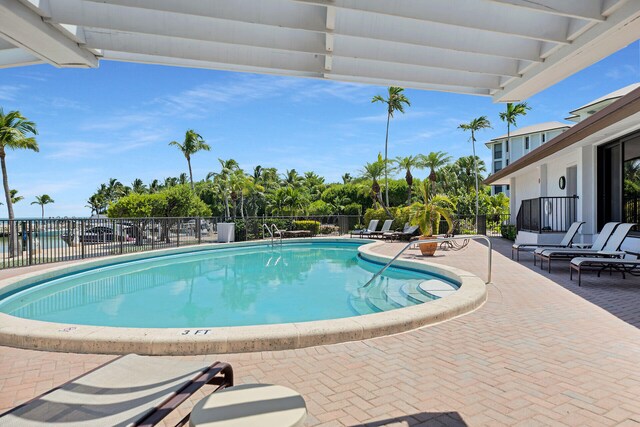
x=400 y=217
x=312 y=226
x=508 y=231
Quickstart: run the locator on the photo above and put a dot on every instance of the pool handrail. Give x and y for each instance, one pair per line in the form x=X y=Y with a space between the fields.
x=269 y=230
x=275 y=230
x=436 y=240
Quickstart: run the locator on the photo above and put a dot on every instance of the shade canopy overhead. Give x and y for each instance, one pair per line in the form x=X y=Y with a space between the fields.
x=506 y=49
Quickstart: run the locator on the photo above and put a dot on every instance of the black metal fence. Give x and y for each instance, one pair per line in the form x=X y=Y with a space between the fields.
x=25 y=242
x=547 y=214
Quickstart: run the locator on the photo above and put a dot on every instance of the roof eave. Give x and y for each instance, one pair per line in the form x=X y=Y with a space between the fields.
x=614 y=112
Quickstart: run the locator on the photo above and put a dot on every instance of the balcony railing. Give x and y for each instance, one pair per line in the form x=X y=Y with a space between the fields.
x=547 y=214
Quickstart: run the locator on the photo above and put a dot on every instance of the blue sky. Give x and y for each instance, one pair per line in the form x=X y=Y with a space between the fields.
x=117 y=120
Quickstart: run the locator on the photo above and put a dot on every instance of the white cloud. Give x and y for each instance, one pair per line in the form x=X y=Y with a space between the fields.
x=73 y=150
x=622 y=71
x=10 y=92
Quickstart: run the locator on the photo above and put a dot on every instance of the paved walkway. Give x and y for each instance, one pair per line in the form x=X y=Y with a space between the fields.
x=541 y=351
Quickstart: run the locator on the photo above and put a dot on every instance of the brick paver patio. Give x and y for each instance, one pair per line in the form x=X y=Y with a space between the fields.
x=541 y=351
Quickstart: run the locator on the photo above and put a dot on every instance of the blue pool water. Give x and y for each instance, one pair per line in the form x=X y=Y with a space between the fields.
x=227 y=287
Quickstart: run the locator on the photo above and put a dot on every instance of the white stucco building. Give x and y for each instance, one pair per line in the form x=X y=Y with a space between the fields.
x=579 y=174
x=522 y=141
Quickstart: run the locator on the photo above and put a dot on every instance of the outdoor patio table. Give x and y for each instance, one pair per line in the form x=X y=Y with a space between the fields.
x=250 y=405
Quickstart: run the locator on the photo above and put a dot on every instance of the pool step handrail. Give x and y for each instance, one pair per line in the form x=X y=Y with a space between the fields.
x=269 y=231
x=437 y=240
x=275 y=230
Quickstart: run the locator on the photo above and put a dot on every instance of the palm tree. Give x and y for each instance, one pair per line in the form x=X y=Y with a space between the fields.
x=227 y=169
x=96 y=203
x=14 y=197
x=137 y=186
x=346 y=178
x=292 y=179
x=373 y=171
x=510 y=116
x=154 y=187
x=406 y=164
x=475 y=125
x=182 y=179
x=14 y=131
x=191 y=145
x=395 y=102
x=45 y=199
x=433 y=207
x=434 y=161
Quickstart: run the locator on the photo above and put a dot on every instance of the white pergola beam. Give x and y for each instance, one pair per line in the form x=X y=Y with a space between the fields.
x=619 y=30
x=204 y=51
x=478 y=16
x=581 y=9
x=24 y=28
x=102 y=16
x=393 y=29
x=17 y=57
x=408 y=84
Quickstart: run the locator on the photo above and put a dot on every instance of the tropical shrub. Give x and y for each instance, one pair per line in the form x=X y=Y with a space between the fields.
x=352 y=209
x=320 y=207
x=508 y=231
x=433 y=208
x=312 y=226
x=401 y=216
x=328 y=229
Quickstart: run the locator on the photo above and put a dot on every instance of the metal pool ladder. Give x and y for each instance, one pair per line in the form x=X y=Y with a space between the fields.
x=446 y=239
x=272 y=230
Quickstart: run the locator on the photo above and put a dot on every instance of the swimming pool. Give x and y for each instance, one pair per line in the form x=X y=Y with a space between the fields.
x=234 y=286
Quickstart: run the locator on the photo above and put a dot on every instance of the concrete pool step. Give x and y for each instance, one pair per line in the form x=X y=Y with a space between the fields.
x=379 y=300
x=436 y=288
x=412 y=292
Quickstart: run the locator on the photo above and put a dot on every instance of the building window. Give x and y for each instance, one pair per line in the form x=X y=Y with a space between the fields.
x=497 y=189
x=526 y=142
x=544 y=138
x=497 y=151
x=507 y=162
x=619 y=181
x=497 y=166
x=507 y=144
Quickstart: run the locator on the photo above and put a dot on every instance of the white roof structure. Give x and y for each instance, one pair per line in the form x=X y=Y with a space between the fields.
x=603 y=101
x=527 y=130
x=507 y=49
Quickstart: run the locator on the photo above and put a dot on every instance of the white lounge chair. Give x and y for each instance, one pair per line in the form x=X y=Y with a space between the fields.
x=565 y=243
x=130 y=390
x=385 y=229
x=373 y=224
x=610 y=248
x=623 y=265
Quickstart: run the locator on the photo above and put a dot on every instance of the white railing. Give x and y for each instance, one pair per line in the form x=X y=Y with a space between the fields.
x=436 y=240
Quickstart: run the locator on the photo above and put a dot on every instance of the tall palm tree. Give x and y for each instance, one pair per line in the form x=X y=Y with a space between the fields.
x=154 y=187
x=96 y=203
x=475 y=125
x=395 y=102
x=137 y=186
x=406 y=164
x=346 y=178
x=45 y=199
x=14 y=134
x=227 y=168
x=292 y=179
x=510 y=116
x=191 y=145
x=373 y=171
x=434 y=161
x=14 y=197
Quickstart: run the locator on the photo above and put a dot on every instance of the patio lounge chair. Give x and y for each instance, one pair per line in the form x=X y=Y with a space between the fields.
x=623 y=265
x=130 y=390
x=610 y=248
x=406 y=234
x=385 y=229
x=373 y=224
x=565 y=243
x=597 y=245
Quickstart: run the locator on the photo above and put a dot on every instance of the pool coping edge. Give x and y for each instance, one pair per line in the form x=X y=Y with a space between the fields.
x=40 y=335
